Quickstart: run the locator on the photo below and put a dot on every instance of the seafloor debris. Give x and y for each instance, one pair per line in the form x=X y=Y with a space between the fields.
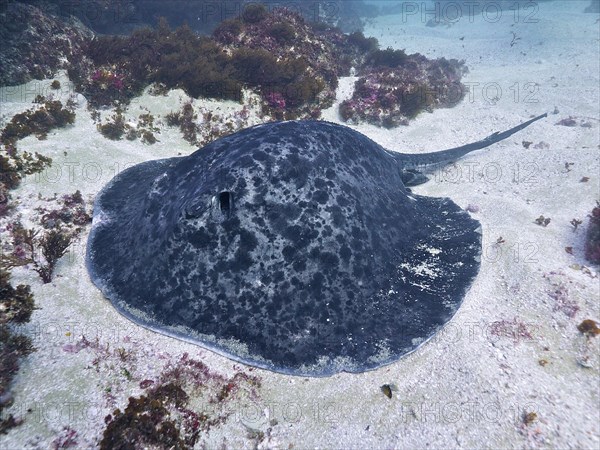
x=575 y=223
x=542 y=221
x=388 y=389
x=589 y=328
x=529 y=418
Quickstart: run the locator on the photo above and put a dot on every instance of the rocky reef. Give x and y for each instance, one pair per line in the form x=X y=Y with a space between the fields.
x=35 y=43
x=293 y=63
x=395 y=87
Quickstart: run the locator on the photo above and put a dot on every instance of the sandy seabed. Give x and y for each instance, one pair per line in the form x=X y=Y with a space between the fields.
x=512 y=349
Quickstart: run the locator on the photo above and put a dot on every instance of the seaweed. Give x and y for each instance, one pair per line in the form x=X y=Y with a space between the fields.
x=14 y=166
x=114 y=129
x=214 y=125
x=364 y=44
x=16 y=307
x=163 y=417
x=186 y=120
x=292 y=64
x=228 y=30
x=416 y=99
x=146 y=421
x=175 y=59
x=37 y=121
x=592 y=238
x=42 y=249
x=529 y=417
x=282 y=32
x=53 y=245
x=256 y=66
x=386 y=58
x=72 y=212
x=395 y=88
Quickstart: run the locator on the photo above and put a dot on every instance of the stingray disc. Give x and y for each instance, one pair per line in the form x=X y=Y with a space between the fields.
x=292 y=246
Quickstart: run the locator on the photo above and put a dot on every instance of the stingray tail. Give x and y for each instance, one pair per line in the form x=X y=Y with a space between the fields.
x=431 y=160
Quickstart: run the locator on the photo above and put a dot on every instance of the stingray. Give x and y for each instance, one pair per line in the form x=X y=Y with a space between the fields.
x=293 y=246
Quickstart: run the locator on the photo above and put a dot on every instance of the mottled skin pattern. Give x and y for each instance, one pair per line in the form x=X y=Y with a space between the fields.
x=297 y=239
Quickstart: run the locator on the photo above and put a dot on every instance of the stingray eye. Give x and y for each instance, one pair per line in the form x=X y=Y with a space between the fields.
x=225 y=201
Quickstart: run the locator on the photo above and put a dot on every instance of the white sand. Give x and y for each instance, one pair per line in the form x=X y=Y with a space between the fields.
x=468 y=387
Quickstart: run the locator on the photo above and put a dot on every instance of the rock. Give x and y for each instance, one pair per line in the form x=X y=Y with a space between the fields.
x=35 y=44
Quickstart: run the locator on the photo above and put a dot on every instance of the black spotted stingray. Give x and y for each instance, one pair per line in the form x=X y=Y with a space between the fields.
x=293 y=246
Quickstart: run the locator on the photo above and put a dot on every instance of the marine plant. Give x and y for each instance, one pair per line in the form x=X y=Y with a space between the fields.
x=114 y=128
x=394 y=88
x=575 y=223
x=66 y=439
x=43 y=248
x=165 y=417
x=124 y=65
x=72 y=212
x=274 y=53
x=199 y=127
x=542 y=221
x=28 y=244
x=107 y=86
x=16 y=307
x=282 y=32
x=592 y=239
x=186 y=121
x=14 y=166
x=228 y=30
x=38 y=121
x=386 y=58
x=364 y=44
x=515 y=329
